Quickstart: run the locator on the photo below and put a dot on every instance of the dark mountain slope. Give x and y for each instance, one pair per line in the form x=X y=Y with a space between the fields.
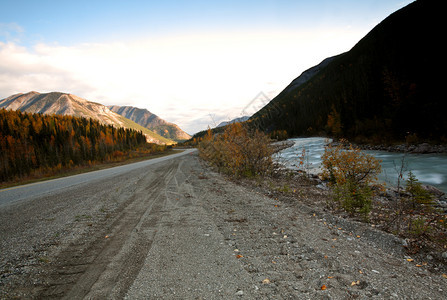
x=386 y=88
x=304 y=77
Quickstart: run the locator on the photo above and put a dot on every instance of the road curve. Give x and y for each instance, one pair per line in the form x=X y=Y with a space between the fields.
x=39 y=189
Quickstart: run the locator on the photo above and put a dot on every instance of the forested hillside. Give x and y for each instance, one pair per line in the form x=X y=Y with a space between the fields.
x=387 y=88
x=71 y=105
x=41 y=143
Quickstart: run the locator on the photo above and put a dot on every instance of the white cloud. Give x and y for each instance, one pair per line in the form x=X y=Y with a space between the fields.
x=183 y=79
x=11 y=31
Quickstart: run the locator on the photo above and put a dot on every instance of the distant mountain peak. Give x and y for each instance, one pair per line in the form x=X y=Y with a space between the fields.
x=151 y=121
x=237 y=120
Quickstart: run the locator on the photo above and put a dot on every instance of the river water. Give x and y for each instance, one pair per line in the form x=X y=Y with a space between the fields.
x=428 y=168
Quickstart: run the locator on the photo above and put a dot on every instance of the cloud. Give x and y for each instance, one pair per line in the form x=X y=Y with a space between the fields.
x=11 y=32
x=22 y=70
x=184 y=79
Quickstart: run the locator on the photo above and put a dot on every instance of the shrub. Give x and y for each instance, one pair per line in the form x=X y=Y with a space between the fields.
x=353 y=197
x=352 y=164
x=237 y=151
x=418 y=226
x=415 y=205
x=351 y=172
x=419 y=197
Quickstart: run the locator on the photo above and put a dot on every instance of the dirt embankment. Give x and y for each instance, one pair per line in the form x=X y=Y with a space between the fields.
x=178 y=230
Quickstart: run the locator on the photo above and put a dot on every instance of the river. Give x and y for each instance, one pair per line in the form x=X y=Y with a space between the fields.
x=428 y=168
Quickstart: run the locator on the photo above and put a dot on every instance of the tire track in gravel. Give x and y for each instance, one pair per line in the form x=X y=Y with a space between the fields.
x=189 y=258
x=104 y=266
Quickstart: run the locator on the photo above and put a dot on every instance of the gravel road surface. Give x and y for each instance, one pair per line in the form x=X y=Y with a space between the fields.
x=174 y=229
x=38 y=189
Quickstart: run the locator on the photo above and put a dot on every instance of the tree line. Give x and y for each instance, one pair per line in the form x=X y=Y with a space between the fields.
x=35 y=142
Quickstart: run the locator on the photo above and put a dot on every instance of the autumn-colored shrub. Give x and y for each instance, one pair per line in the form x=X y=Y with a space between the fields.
x=342 y=164
x=351 y=172
x=237 y=151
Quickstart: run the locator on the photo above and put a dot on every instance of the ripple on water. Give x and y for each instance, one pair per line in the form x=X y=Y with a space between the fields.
x=432 y=178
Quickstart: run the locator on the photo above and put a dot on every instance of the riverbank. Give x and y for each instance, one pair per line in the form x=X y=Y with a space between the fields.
x=281 y=145
x=423 y=148
x=428 y=246
x=298 y=198
x=292 y=161
x=430 y=169
x=392 y=210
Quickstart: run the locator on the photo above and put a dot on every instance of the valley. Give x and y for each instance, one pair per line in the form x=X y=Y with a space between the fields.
x=213 y=216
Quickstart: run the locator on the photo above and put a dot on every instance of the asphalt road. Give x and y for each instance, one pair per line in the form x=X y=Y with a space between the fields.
x=33 y=190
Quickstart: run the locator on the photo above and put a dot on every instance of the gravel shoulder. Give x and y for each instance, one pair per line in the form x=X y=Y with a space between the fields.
x=179 y=230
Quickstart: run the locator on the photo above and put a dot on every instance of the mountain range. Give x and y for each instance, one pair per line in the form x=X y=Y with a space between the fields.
x=67 y=104
x=237 y=120
x=151 y=121
x=387 y=88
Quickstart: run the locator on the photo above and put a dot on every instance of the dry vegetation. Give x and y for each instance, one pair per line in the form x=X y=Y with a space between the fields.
x=238 y=151
x=410 y=211
x=348 y=187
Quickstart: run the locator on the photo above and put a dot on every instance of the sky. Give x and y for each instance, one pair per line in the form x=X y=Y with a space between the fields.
x=193 y=63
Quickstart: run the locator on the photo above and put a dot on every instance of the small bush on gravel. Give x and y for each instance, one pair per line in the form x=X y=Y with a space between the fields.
x=415 y=215
x=419 y=197
x=353 y=198
x=351 y=172
x=238 y=151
